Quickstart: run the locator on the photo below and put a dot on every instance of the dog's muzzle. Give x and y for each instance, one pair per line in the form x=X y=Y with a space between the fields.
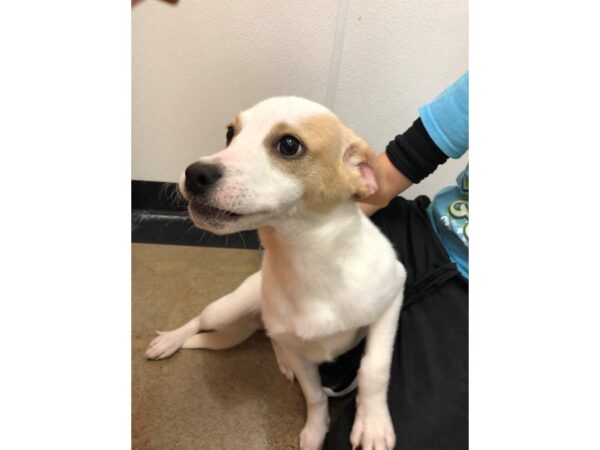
x=200 y=180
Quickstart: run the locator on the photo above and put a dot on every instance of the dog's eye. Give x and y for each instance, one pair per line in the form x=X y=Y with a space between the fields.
x=289 y=146
x=229 y=135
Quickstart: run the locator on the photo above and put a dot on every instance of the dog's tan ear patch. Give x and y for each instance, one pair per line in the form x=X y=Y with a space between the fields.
x=363 y=163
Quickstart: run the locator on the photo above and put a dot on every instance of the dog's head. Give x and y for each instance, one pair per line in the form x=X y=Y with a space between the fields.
x=284 y=156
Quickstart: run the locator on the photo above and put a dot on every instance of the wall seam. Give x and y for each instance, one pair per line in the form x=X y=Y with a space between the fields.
x=336 y=55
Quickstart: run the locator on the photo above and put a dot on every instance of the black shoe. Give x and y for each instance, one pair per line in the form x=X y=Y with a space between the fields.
x=339 y=377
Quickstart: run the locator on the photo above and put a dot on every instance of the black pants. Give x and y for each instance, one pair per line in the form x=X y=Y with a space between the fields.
x=428 y=391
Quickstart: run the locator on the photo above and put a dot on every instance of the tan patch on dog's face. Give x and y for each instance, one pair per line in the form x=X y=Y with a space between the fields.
x=321 y=169
x=233 y=129
x=236 y=124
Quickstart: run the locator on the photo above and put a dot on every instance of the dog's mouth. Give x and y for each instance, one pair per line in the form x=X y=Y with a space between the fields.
x=217 y=220
x=212 y=214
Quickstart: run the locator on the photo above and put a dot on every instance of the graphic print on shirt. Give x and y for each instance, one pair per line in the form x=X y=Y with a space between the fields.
x=459 y=209
x=457 y=218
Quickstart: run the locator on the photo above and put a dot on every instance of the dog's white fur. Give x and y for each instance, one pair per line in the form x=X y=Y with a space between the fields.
x=327 y=279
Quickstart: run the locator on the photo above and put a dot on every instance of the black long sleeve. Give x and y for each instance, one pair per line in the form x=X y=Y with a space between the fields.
x=414 y=153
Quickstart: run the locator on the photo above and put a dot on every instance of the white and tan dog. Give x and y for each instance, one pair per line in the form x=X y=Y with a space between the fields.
x=328 y=276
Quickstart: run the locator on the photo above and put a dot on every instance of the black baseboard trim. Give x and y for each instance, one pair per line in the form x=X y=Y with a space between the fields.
x=155 y=195
x=158 y=217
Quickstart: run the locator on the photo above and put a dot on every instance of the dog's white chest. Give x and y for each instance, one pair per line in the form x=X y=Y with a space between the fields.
x=322 y=349
x=317 y=297
x=319 y=307
x=318 y=326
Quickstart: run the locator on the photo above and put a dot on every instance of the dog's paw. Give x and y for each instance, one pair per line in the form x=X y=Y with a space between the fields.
x=373 y=432
x=164 y=345
x=312 y=437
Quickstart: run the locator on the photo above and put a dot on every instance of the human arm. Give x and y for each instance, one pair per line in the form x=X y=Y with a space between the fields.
x=408 y=158
x=440 y=132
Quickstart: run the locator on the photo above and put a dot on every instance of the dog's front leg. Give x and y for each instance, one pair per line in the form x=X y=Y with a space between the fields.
x=242 y=303
x=373 y=427
x=317 y=413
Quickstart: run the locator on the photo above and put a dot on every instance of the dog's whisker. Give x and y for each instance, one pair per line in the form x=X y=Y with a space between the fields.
x=190 y=229
x=166 y=192
x=178 y=198
x=163 y=192
x=171 y=193
x=243 y=240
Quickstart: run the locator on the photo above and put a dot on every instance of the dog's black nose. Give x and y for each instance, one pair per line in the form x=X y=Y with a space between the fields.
x=200 y=176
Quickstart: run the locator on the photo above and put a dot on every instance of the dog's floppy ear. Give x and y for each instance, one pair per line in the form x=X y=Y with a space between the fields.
x=367 y=173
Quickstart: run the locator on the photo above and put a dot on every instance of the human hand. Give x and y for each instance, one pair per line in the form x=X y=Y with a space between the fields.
x=394 y=182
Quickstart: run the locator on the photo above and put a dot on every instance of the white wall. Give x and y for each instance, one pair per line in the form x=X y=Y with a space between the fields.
x=197 y=63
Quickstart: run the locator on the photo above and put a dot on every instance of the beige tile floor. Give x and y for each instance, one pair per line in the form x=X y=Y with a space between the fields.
x=199 y=399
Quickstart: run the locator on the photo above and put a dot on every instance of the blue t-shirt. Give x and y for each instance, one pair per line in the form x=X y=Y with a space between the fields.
x=446 y=120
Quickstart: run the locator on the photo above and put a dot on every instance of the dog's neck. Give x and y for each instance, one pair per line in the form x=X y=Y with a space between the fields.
x=309 y=233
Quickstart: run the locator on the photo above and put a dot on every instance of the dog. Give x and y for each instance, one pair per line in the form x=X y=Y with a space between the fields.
x=328 y=276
